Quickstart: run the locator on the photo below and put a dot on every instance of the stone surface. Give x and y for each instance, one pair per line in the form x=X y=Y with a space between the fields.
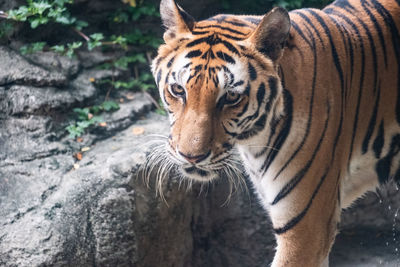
x=103 y=214
x=54 y=62
x=14 y=69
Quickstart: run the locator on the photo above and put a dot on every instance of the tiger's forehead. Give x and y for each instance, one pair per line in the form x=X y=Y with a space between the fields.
x=216 y=72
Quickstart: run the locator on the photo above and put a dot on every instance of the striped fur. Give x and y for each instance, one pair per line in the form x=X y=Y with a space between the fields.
x=314 y=112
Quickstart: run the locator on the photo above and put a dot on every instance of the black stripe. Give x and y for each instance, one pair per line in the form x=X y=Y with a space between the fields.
x=371 y=125
x=298 y=30
x=246 y=92
x=239 y=83
x=235 y=23
x=292 y=223
x=360 y=92
x=396 y=46
x=252 y=72
x=378 y=30
x=199 y=41
x=194 y=53
x=335 y=55
x=169 y=64
x=273 y=89
x=345 y=5
x=260 y=94
x=196 y=72
x=225 y=57
x=230 y=47
x=384 y=165
x=231 y=37
x=260 y=98
x=159 y=73
x=199 y=32
x=351 y=52
x=257 y=127
x=220 y=27
x=310 y=111
x=374 y=56
x=379 y=141
x=312 y=26
x=300 y=175
x=233 y=134
x=158 y=61
x=283 y=133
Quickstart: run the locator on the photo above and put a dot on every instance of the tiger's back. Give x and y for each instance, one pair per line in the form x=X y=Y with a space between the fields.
x=352 y=50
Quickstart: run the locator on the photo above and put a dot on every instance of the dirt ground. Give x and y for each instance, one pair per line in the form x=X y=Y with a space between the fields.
x=366 y=248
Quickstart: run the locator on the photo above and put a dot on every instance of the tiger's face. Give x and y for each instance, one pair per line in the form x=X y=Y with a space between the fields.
x=219 y=89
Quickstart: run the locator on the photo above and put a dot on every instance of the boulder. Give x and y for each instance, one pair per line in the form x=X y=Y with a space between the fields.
x=15 y=69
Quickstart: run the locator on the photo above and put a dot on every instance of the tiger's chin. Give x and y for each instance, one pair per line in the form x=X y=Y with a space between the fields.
x=198 y=174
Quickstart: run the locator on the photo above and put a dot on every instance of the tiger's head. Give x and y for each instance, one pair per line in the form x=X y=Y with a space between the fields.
x=218 y=79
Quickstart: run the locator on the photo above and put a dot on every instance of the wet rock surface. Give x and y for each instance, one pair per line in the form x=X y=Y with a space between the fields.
x=58 y=211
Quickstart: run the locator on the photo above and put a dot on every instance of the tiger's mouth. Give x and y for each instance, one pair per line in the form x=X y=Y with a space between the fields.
x=197 y=173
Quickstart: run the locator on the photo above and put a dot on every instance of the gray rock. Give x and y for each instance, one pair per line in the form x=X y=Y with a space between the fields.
x=126 y=114
x=21 y=99
x=380 y=210
x=15 y=69
x=93 y=58
x=26 y=139
x=52 y=61
x=103 y=214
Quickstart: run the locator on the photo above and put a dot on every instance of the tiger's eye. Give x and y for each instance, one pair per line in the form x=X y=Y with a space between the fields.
x=232 y=98
x=177 y=90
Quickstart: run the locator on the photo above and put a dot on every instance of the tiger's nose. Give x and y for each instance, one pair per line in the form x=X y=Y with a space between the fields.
x=194 y=159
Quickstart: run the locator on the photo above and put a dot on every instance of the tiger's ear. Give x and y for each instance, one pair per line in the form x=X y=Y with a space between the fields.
x=175 y=19
x=271 y=33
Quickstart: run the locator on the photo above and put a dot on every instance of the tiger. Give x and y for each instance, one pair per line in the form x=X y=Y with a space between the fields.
x=309 y=100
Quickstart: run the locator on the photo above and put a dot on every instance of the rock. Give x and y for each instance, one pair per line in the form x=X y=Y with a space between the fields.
x=93 y=58
x=27 y=138
x=52 y=61
x=103 y=214
x=15 y=69
x=22 y=99
x=375 y=210
x=125 y=115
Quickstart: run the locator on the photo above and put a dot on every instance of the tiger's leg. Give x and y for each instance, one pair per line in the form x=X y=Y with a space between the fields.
x=307 y=240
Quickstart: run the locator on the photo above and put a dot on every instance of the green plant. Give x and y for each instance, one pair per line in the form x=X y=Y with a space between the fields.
x=45 y=11
x=5 y=29
x=86 y=117
x=32 y=48
x=135 y=42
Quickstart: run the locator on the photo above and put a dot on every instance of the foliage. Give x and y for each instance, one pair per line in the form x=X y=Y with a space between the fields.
x=89 y=116
x=45 y=11
x=57 y=12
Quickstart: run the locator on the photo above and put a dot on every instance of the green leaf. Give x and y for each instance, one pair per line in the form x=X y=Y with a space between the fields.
x=110 y=105
x=82 y=113
x=41 y=7
x=32 y=48
x=97 y=36
x=35 y=23
x=58 y=49
x=79 y=24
